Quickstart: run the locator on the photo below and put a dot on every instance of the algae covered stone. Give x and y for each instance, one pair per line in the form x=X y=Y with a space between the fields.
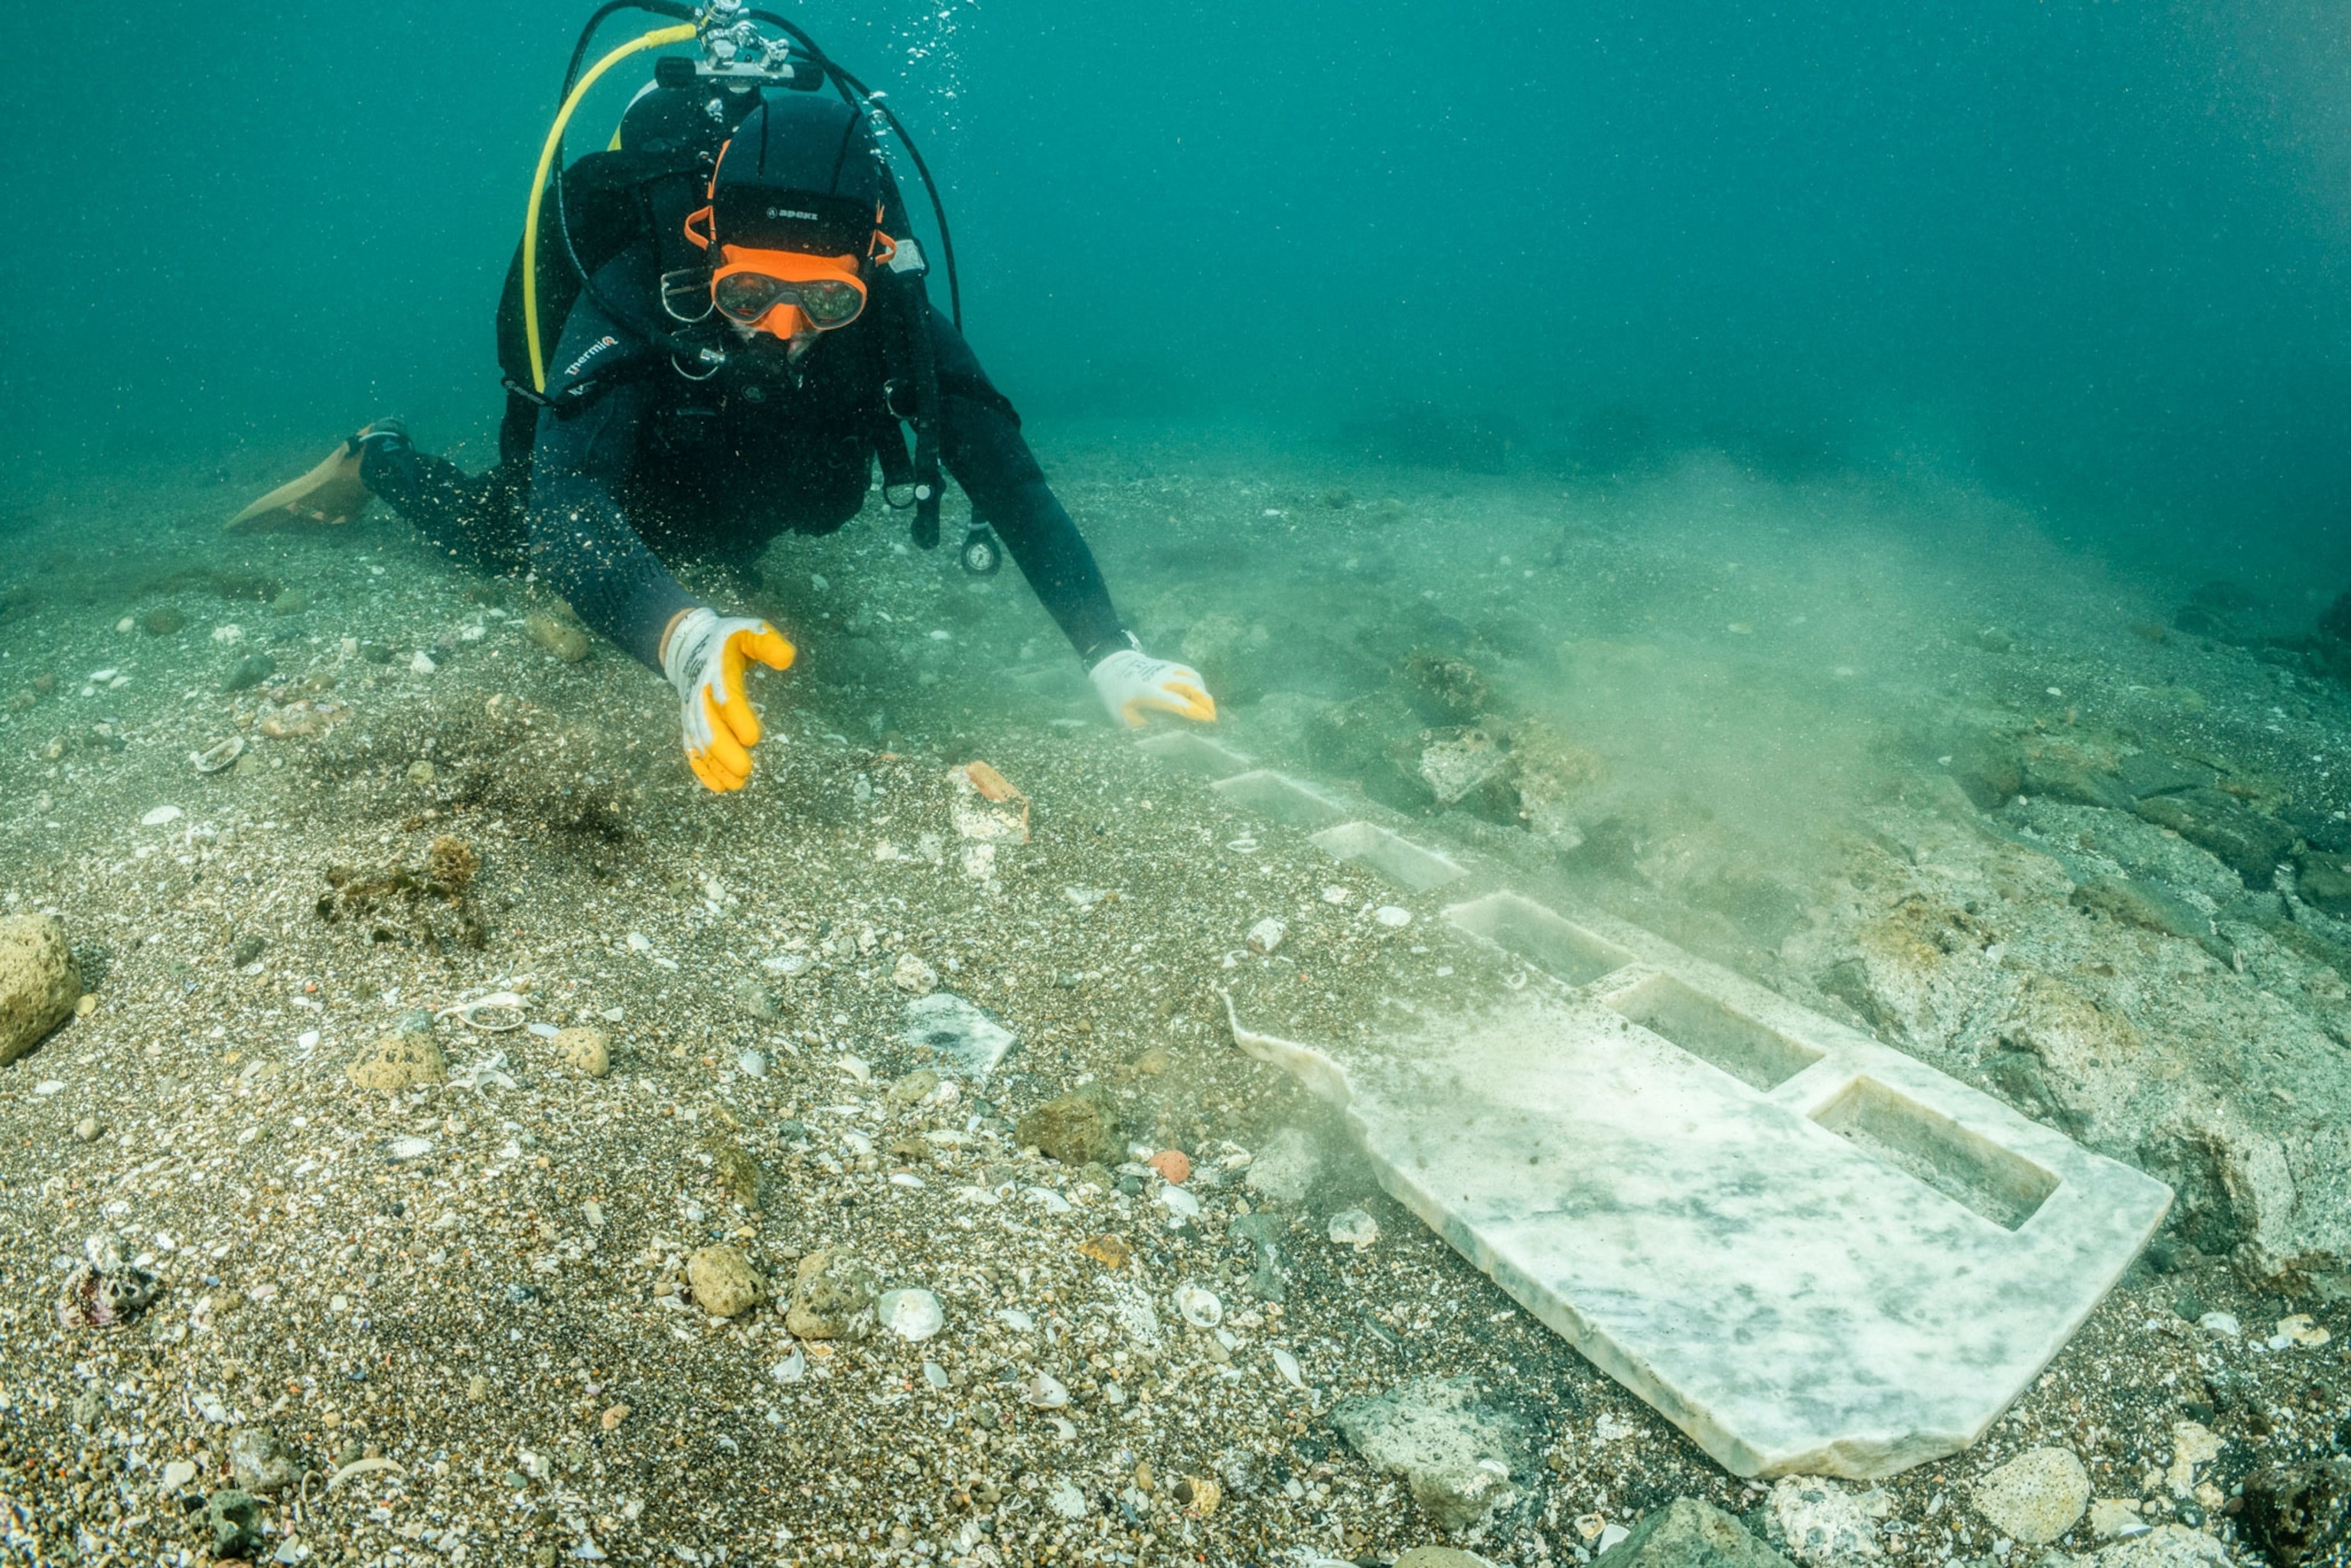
x=833 y=1297
x=38 y=982
x=1687 y=1533
x=724 y=1283
x=1076 y=1129
x=402 y=1060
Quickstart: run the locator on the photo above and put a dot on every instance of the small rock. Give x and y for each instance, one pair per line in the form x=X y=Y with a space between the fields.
x=1453 y=1451
x=1045 y=1392
x=914 y=977
x=247 y=949
x=723 y=1281
x=755 y=1000
x=422 y=773
x=587 y=1051
x=1266 y=935
x=1063 y=1498
x=734 y=1171
x=260 y=1461
x=1110 y=1251
x=2220 y=1325
x=1151 y=1062
x=2298 y=1513
x=1173 y=1165
x=1824 y=1525
x=1685 y=1534
x=2035 y=1497
x=250 y=672
x=912 y=1314
x=39 y=984
x=291 y=602
x=559 y=637
x=835 y=1296
x=1445 y=1557
x=235 y=1519
x=88 y=1129
x=176 y=1476
x=1393 y=916
x=1076 y=1129
x=402 y=1060
x=913 y=1088
x=420 y=663
x=161 y=621
x=1353 y=1227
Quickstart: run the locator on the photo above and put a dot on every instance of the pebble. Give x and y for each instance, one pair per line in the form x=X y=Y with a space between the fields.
x=161 y=816
x=1266 y=935
x=752 y=1062
x=400 y=1150
x=1198 y=1306
x=834 y=1297
x=2113 y=1519
x=1392 y=915
x=422 y=663
x=2299 y=1330
x=250 y=672
x=1335 y=895
x=259 y=1461
x=40 y=985
x=1183 y=1204
x=1287 y=1365
x=755 y=1000
x=88 y=1129
x=1076 y=1129
x=1353 y=1227
x=422 y=773
x=176 y=1476
x=587 y=1051
x=913 y=1088
x=912 y=1314
x=724 y=1283
x=2220 y=1325
x=1173 y=1164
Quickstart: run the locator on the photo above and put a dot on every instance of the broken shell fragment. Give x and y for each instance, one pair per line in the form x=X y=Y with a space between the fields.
x=97 y=1297
x=219 y=758
x=1045 y=1392
x=500 y=1012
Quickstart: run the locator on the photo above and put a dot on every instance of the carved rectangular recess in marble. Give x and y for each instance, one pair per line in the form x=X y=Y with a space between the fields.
x=1196 y=754
x=1714 y=1033
x=1280 y=797
x=1928 y=1146
x=1556 y=946
x=1392 y=855
x=1848 y=1274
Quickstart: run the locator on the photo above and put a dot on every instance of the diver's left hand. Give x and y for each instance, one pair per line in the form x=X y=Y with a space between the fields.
x=1132 y=682
x=705 y=657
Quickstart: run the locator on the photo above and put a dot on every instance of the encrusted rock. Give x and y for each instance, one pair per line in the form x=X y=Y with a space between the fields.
x=1822 y=1524
x=38 y=982
x=260 y=1461
x=402 y=1060
x=1455 y=1453
x=1076 y=1129
x=2036 y=1497
x=833 y=1297
x=563 y=638
x=913 y=976
x=723 y=1281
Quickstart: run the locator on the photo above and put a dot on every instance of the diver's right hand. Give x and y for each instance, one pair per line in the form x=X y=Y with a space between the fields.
x=705 y=656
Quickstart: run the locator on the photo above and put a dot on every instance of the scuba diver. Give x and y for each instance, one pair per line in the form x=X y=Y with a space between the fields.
x=744 y=330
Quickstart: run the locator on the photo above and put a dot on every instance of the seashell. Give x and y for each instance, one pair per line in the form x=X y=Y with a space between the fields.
x=401 y=1150
x=217 y=758
x=912 y=1314
x=1199 y=1306
x=1045 y=1392
x=1200 y=1494
x=507 y=1009
x=752 y=1061
x=98 y=1299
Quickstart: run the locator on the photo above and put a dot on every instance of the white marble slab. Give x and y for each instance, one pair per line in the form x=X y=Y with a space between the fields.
x=1813 y=1254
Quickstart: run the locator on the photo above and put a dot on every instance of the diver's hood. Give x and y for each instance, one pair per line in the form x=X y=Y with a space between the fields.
x=802 y=173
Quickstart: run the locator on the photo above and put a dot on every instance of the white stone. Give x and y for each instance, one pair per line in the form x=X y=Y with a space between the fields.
x=176 y=1476
x=422 y=663
x=2166 y=1546
x=159 y=816
x=1266 y=935
x=2036 y=1497
x=962 y=1036
x=1064 y=1499
x=1353 y=1227
x=1393 y=914
x=2220 y=1325
x=1807 y=1250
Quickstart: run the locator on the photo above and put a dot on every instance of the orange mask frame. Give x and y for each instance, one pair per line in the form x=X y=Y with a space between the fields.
x=786 y=319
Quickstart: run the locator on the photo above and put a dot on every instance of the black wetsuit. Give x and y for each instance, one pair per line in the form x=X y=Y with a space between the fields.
x=589 y=490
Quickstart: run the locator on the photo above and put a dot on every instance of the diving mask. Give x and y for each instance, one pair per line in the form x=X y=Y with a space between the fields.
x=776 y=290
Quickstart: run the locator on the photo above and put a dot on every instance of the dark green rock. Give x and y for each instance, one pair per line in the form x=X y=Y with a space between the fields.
x=235 y=1519
x=1687 y=1533
x=2149 y=905
x=2146 y=773
x=2326 y=882
x=250 y=672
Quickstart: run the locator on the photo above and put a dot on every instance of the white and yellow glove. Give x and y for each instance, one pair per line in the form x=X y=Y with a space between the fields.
x=706 y=655
x=1132 y=682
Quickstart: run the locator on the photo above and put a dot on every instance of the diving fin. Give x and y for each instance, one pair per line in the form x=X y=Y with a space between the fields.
x=332 y=493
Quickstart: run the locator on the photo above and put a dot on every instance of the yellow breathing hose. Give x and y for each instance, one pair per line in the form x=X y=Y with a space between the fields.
x=652 y=40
